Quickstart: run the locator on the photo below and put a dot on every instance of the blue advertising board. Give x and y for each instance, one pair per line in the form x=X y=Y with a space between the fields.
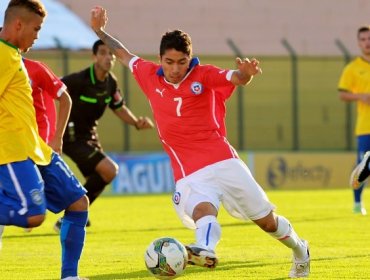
x=143 y=173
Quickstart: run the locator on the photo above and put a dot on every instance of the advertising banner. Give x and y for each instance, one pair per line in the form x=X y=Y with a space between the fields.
x=302 y=170
x=143 y=173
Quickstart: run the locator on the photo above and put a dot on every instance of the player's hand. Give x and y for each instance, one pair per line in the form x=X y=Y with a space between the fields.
x=98 y=18
x=248 y=67
x=144 y=123
x=365 y=98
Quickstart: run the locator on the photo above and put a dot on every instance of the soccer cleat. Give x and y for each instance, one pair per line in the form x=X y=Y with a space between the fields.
x=301 y=269
x=201 y=257
x=28 y=230
x=58 y=225
x=361 y=172
x=1 y=235
x=358 y=209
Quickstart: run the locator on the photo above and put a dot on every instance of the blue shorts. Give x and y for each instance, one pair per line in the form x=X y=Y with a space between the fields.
x=61 y=186
x=363 y=145
x=31 y=189
x=22 y=188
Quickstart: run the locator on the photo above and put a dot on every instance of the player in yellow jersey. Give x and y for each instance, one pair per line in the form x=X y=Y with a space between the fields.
x=33 y=178
x=354 y=85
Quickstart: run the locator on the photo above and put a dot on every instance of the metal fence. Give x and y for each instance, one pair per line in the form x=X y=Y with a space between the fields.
x=293 y=105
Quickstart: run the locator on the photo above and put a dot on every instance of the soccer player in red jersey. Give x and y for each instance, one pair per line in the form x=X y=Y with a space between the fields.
x=47 y=87
x=207 y=170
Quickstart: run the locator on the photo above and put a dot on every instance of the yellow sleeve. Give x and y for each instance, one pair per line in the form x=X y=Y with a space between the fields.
x=346 y=80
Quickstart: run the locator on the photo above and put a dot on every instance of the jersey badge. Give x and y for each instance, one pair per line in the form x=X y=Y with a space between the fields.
x=196 y=88
x=36 y=196
x=176 y=198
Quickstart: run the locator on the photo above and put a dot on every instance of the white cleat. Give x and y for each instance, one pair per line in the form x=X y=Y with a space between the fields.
x=361 y=172
x=301 y=269
x=359 y=209
x=201 y=257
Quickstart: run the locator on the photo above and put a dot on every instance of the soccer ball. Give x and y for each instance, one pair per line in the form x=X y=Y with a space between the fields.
x=166 y=258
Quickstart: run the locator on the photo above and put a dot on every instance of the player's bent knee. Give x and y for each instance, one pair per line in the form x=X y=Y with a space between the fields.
x=204 y=209
x=80 y=205
x=35 y=221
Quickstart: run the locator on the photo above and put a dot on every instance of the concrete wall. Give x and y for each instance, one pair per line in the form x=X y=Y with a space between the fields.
x=257 y=26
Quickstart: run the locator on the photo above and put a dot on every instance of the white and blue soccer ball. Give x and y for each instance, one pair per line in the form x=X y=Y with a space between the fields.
x=166 y=258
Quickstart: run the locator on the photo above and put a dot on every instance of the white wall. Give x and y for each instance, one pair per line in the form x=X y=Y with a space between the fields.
x=257 y=26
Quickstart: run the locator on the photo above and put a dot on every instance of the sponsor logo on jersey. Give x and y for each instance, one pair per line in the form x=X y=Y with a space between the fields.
x=196 y=88
x=176 y=198
x=160 y=92
x=36 y=196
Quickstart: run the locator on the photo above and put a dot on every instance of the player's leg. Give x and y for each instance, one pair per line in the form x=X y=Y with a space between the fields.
x=244 y=198
x=64 y=192
x=98 y=169
x=105 y=171
x=22 y=199
x=281 y=229
x=363 y=145
x=196 y=202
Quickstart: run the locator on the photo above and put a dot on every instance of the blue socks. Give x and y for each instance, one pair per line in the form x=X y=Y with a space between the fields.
x=357 y=193
x=72 y=238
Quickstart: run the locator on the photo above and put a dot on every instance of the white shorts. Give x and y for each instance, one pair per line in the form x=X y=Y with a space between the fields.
x=230 y=182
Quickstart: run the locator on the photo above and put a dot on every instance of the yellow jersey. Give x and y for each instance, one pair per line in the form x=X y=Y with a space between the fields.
x=19 y=138
x=356 y=79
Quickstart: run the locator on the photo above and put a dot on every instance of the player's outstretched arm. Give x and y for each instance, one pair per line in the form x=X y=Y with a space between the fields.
x=125 y=114
x=98 y=21
x=246 y=70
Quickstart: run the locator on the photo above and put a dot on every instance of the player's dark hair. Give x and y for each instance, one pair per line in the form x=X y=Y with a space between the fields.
x=364 y=28
x=33 y=6
x=177 y=40
x=96 y=45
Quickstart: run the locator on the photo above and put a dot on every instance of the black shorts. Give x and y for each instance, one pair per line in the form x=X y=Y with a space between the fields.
x=86 y=154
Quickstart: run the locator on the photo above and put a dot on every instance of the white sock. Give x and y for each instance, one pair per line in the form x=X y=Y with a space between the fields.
x=208 y=232
x=286 y=235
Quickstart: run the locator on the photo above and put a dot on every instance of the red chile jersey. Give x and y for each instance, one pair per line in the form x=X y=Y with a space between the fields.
x=90 y=97
x=222 y=94
x=185 y=114
x=45 y=88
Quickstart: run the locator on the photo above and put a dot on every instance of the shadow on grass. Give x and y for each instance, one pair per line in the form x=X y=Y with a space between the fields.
x=226 y=266
x=30 y=235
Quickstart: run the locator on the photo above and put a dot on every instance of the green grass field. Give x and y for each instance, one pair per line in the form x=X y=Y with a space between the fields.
x=122 y=228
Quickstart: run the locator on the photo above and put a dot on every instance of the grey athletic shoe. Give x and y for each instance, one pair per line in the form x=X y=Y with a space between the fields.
x=301 y=269
x=361 y=172
x=1 y=235
x=201 y=257
x=58 y=225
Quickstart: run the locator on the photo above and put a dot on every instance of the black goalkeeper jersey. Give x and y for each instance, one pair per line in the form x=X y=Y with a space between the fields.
x=90 y=98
